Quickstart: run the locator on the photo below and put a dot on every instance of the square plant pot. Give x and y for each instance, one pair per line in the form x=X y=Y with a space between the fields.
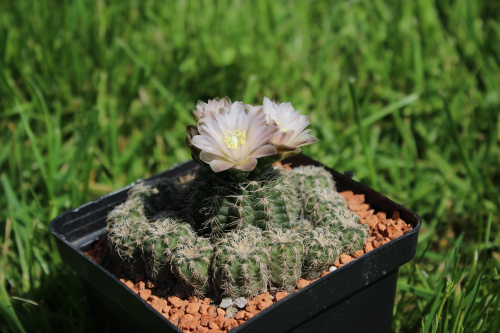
x=357 y=297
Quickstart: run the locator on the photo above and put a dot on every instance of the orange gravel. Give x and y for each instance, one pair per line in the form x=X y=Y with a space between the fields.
x=202 y=315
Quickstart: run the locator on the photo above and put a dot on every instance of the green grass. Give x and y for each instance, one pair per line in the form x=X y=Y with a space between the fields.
x=406 y=94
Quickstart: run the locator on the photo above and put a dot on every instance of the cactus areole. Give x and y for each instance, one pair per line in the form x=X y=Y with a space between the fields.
x=240 y=224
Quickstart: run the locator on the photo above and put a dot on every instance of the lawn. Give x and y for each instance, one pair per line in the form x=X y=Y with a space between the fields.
x=405 y=94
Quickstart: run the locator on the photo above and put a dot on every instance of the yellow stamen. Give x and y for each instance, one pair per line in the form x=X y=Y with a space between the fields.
x=234 y=139
x=281 y=128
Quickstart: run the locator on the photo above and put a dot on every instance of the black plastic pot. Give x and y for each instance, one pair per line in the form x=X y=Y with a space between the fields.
x=357 y=297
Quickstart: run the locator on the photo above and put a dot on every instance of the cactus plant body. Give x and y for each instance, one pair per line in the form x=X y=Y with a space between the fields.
x=214 y=204
x=240 y=265
x=286 y=252
x=191 y=263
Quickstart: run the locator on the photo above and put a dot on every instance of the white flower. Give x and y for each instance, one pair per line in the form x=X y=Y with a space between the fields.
x=291 y=124
x=215 y=106
x=234 y=139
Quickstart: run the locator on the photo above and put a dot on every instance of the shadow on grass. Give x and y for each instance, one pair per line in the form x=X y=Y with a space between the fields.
x=58 y=305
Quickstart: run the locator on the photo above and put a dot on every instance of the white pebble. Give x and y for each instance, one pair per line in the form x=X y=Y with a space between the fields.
x=331 y=269
x=226 y=302
x=240 y=302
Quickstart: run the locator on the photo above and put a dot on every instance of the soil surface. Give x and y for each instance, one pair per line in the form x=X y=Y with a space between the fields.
x=192 y=314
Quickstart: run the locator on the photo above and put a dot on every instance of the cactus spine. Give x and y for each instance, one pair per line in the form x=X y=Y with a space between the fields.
x=240 y=265
x=161 y=240
x=126 y=224
x=286 y=251
x=191 y=262
x=215 y=205
x=325 y=207
x=351 y=234
x=322 y=250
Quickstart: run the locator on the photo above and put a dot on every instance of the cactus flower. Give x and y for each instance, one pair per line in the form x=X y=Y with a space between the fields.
x=214 y=106
x=232 y=140
x=291 y=124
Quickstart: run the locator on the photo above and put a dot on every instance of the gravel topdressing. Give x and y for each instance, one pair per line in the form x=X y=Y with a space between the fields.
x=192 y=314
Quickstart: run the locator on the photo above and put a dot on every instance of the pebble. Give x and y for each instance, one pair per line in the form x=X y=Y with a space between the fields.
x=230 y=312
x=302 y=283
x=280 y=295
x=240 y=302
x=240 y=315
x=226 y=302
x=130 y=284
x=176 y=301
x=344 y=258
x=144 y=294
x=193 y=308
x=331 y=269
x=229 y=323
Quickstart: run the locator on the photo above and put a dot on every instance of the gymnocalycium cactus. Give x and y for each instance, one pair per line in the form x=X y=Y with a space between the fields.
x=240 y=224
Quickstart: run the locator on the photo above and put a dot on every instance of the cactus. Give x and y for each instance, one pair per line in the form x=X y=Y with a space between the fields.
x=127 y=224
x=325 y=207
x=306 y=227
x=310 y=178
x=351 y=234
x=317 y=193
x=319 y=204
x=301 y=225
x=215 y=204
x=274 y=200
x=191 y=263
x=161 y=240
x=206 y=202
x=286 y=252
x=322 y=250
x=240 y=264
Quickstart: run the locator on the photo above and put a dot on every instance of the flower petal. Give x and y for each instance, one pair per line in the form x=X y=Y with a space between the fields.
x=264 y=151
x=219 y=165
x=248 y=166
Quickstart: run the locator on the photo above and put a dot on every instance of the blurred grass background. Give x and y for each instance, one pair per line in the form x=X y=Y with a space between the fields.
x=95 y=94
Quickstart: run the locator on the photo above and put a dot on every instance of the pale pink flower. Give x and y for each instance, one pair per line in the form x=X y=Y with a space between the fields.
x=291 y=124
x=233 y=139
x=214 y=106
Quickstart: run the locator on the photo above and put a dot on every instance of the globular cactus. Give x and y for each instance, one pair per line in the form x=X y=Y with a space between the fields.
x=240 y=263
x=325 y=207
x=319 y=204
x=191 y=264
x=274 y=200
x=322 y=250
x=309 y=178
x=141 y=228
x=306 y=226
x=351 y=233
x=301 y=225
x=214 y=204
x=127 y=212
x=317 y=193
x=286 y=252
x=127 y=227
x=161 y=240
x=207 y=202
